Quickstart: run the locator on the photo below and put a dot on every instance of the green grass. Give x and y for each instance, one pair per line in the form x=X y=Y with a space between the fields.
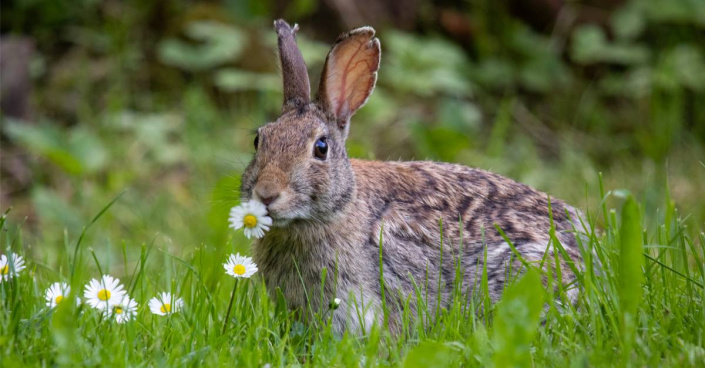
x=642 y=307
x=117 y=116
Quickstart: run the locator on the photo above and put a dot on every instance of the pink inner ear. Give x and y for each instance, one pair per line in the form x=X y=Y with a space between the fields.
x=351 y=73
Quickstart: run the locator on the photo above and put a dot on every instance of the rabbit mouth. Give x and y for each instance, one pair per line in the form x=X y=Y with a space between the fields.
x=280 y=222
x=279 y=218
x=284 y=217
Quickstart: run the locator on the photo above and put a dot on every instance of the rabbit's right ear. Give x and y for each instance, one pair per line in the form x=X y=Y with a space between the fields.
x=349 y=75
x=296 y=85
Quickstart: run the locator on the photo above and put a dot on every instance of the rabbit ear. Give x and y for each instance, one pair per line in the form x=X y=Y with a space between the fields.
x=349 y=75
x=297 y=90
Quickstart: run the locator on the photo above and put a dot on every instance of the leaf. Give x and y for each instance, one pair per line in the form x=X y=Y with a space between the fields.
x=439 y=142
x=463 y=116
x=435 y=64
x=429 y=354
x=683 y=65
x=628 y=22
x=631 y=259
x=538 y=65
x=480 y=345
x=517 y=321
x=153 y=134
x=76 y=151
x=88 y=148
x=220 y=43
x=297 y=329
x=676 y=11
x=590 y=45
x=51 y=208
x=494 y=72
x=232 y=80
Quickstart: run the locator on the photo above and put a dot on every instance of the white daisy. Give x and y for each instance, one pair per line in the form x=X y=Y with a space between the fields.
x=164 y=304
x=240 y=266
x=56 y=293
x=252 y=216
x=123 y=310
x=103 y=293
x=10 y=266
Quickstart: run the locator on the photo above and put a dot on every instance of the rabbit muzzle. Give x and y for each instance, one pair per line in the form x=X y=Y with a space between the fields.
x=272 y=190
x=269 y=186
x=267 y=193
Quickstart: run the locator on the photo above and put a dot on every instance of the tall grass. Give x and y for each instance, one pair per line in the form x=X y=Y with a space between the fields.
x=640 y=303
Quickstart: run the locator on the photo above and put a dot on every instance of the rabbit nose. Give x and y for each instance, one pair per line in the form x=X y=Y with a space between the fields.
x=266 y=201
x=267 y=194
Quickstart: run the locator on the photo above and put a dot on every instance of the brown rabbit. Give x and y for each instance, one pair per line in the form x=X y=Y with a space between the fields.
x=330 y=211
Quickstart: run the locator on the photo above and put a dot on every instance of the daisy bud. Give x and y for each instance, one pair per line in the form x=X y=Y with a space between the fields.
x=335 y=303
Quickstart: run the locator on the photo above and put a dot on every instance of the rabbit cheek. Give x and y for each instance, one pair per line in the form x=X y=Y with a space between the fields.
x=304 y=193
x=330 y=189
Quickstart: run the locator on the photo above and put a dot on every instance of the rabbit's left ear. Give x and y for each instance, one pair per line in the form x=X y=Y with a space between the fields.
x=349 y=75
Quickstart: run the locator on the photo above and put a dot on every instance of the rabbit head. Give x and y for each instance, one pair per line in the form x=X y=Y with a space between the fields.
x=300 y=170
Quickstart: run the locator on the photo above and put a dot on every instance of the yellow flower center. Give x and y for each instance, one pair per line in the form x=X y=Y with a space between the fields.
x=118 y=310
x=166 y=308
x=5 y=270
x=250 y=221
x=58 y=299
x=239 y=269
x=104 y=295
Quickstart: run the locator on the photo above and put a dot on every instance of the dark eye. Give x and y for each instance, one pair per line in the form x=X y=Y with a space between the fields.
x=256 y=141
x=320 y=149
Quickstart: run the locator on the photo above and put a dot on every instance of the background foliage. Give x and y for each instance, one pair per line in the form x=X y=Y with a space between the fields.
x=158 y=99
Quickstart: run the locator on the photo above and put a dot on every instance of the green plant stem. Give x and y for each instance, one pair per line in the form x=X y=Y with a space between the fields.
x=230 y=307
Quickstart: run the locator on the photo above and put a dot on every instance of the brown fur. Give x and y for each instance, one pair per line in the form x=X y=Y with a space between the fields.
x=330 y=213
x=297 y=88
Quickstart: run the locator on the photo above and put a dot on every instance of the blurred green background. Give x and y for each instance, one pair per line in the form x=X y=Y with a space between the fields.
x=159 y=99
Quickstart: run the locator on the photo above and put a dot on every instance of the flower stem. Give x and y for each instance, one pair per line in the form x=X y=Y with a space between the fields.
x=230 y=307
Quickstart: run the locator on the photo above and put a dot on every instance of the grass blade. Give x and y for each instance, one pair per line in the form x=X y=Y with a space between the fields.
x=630 y=276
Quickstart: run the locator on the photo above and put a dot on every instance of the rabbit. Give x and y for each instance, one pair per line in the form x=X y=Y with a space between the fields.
x=348 y=216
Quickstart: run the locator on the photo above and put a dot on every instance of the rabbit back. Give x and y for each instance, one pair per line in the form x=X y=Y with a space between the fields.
x=411 y=203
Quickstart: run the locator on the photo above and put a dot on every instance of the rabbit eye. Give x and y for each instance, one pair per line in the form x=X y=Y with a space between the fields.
x=256 y=141
x=320 y=149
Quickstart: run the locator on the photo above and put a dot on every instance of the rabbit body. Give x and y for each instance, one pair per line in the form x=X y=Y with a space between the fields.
x=348 y=216
x=401 y=205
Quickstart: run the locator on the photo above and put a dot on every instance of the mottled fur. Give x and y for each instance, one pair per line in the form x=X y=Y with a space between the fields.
x=330 y=213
